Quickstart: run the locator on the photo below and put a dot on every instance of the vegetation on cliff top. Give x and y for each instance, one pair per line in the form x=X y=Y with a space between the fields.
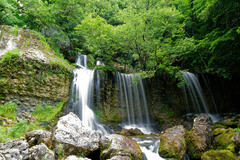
x=144 y=35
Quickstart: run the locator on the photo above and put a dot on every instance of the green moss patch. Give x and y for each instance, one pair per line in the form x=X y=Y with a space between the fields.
x=224 y=138
x=218 y=155
x=9 y=56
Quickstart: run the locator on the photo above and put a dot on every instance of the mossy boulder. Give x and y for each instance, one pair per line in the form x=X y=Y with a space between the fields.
x=218 y=155
x=200 y=137
x=223 y=138
x=172 y=143
x=118 y=146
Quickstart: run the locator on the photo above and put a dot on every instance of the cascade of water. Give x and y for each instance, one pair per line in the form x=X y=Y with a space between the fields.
x=82 y=94
x=193 y=89
x=133 y=101
x=98 y=83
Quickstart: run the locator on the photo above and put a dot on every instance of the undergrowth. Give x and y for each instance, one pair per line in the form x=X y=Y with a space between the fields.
x=8 y=110
x=18 y=129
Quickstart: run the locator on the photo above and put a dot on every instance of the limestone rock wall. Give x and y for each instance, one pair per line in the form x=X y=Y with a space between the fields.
x=31 y=73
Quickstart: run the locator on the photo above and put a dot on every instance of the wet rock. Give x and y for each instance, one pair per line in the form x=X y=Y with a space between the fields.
x=76 y=158
x=218 y=155
x=236 y=141
x=131 y=132
x=114 y=145
x=41 y=152
x=72 y=137
x=172 y=143
x=15 y=150
x=38 y=136
x=200 y=138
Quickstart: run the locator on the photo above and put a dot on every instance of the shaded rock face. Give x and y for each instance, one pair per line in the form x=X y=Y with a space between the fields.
x=236 y=141
x=200 y=138
x=38 y=136
x=117 y=146
x=172 y=143
x=218 y=155
x=74 y=138
x=131 y=132
x=36 y=76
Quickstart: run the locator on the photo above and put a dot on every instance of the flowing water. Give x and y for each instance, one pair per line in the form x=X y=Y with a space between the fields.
x=98 y=85
x=149 y=146
x=195 y=99
x=133 y=101
x=82 y=95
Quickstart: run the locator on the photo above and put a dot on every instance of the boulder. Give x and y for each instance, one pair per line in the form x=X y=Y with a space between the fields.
x=38 y=136
x=200 y=138
x=71 y=137
x=120 y=158
x=41 y=152
x=223 y=138
x=131 y=132
x=236 y=141
x=15 y=150
x=218 y=155
x=116 y=146
x=76 y=158
x=172 y=143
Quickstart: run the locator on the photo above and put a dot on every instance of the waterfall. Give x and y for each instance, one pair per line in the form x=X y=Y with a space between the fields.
x=98 y=83
x=133 y=101
x=194 y=96
x=81 y=99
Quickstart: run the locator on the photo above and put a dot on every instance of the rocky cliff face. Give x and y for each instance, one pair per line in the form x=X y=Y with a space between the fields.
x=31 y=73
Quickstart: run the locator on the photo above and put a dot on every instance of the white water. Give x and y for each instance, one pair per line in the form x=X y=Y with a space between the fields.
x=82 y=95
x=133 y=101
x=197 y=100
x=98 y=83
x=149 y=146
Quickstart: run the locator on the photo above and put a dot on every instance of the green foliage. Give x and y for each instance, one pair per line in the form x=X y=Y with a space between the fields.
x=47 y=113
x=8 y=110
x=236 y=129
x=152 y=36
x=7 y=57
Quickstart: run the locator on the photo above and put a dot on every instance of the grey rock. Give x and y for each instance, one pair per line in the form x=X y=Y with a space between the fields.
x=73 y=137
x=15 y=150
x=41 y=152
x=117 y=145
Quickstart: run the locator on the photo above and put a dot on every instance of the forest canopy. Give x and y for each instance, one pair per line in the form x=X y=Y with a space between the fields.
x=202 y=36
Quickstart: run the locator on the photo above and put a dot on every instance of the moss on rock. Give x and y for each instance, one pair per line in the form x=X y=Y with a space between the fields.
x=224 y=138
x=218 y=155
x=172 y=143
